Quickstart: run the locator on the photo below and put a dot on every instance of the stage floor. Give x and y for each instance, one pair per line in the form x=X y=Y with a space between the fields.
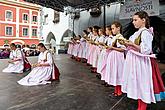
x=78 y=89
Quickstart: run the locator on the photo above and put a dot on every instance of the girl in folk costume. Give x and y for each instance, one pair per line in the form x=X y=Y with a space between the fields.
x=70 y=47
x=16 y=63
x=85 y=36
x=43 y=71
x=104 y=54
x=89 y=40
x=141 y=75
x=89 y=31
x=92 y=46
x=82 y=47
x=77 y=47
x=73 y=43
x=142 y=80
x=115 y=61
x=98 y=46
x=74 y=53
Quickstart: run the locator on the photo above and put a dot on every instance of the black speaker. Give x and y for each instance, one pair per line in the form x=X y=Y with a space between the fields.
x=95 y=12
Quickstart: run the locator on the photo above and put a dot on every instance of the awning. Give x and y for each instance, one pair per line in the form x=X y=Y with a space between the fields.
x=59 y=5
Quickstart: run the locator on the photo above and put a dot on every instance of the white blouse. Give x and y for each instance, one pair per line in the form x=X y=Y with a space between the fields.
x=16 y=54
x=96 y=38
x=90 y=35
x=101 y=39
x=146 y=40
x=109 y=40
x=42 y=57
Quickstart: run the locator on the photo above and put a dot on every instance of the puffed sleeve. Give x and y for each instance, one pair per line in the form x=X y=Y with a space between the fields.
x=114 y=39
x=97 y=39
x=101 y=40
x=146 y=42
x=11 y=55
x=106 y=40
x=109 y=42
x=49 y=59
x=19 y=54
x=39 y=58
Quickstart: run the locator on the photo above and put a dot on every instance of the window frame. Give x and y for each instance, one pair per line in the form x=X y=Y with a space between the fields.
x=6 y=15
x=36 y=18
x=23 y=31
x=11 y=31
x=36 y=32
x=23 y=16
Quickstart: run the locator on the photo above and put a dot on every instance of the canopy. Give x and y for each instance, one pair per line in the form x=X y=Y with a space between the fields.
x=59 y=5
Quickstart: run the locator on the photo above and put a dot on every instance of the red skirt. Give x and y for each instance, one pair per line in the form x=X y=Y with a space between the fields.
x=55 y=74
x=158 y=85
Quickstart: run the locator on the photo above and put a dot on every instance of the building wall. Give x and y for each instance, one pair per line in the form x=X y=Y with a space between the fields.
x=57 y=29
x=3 y=9
x=2 y=30
x=85 y=20
x=21 y=31
x=18 y=8
x=66 y=23
x=21 y=12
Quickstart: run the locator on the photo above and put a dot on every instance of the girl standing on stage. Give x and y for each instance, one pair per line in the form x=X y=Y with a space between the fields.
x=85 y=37
x=141 y=75
x=104 y=54
x=115 y=61
x=100 y=40
x=92 y=46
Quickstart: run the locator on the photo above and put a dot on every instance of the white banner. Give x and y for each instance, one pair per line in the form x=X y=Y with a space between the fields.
x=131 y=7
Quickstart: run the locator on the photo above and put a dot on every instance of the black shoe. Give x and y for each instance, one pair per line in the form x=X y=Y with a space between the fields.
x=115 y=96
x=84 y=61
x=93 y=71
x=104 y=83
x=107 y=85
x=98 y=76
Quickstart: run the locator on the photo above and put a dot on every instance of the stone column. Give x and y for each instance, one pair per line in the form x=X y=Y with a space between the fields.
x=57 y=48
x=47 y=45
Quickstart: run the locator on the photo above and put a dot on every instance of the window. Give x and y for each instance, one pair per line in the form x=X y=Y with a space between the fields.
x=25 y=31
x=25 y=17
x=45 y=19
x=56 y=17
x=34 y=32
x=34 y=18
x=9 y=31
x=9 y=15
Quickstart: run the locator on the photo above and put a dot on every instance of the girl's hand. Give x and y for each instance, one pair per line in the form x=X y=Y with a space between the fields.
x=109 y=47
x=129 y=43
x=39 y=65
x=105 y=47
x=36 y=65
x=121 y=41
x=33 y=65
x=11 y=61
x=96 y=43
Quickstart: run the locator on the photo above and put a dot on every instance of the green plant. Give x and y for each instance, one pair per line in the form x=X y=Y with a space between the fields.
x=6 y=42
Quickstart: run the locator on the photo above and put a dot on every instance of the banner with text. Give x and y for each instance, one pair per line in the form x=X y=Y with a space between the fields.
x=131 y=7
